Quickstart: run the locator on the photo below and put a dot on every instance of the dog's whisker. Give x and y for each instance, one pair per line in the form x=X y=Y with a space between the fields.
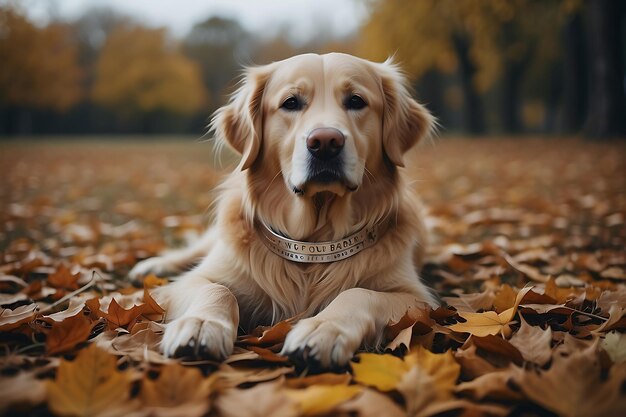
x=270 y=184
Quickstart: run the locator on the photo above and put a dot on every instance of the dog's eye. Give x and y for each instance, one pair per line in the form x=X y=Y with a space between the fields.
x=355 y=102
x=291 y=104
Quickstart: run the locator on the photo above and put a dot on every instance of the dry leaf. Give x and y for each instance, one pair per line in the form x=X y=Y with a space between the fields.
x=573 y=386
x=321 y=379
x=178 y=391
x=271 y=336
x=533 y=343
x=322 y=399
x=65 y=335
x=489 y=322
x=63 y=278
x=493 y=385
x=90 y=386
x=23 y=389
x=12 y=319
x=615 y=345
x=472 y=302
x=383 y=372
x=372 y=403
x=263 y=400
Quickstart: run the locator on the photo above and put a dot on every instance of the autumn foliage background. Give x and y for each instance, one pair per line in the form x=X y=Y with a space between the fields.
x=525 y=194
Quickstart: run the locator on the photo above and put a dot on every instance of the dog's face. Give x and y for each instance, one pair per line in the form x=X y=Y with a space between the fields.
x=328 y=119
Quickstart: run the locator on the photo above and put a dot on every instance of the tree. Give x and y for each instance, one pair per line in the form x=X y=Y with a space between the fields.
x=140 y=71
x=219 y=46
x=607 y=108
x=39 y=68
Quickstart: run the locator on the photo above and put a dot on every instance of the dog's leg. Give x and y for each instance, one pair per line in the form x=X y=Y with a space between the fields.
x=357 y=315
x=202 y=317
x=176 y=261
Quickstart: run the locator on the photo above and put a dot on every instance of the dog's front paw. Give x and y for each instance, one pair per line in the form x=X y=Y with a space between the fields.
x=321 y=343
x=158 y=266
x=197 y=338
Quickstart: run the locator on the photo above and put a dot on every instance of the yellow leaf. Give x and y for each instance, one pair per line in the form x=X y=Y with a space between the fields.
x=321 y=399
x=90 y=385
x=178 y=387
x=383 y=372
x=489 y=322
x=442 y=367
x=483 y=324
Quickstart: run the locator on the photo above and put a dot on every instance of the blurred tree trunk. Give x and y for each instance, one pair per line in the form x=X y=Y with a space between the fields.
x=429 y=92
x=514 y=67
x=473 y=114
x=574 y=75
x=606 y=117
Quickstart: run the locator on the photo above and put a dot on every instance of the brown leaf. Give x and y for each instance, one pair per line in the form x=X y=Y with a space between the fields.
x=90 y=386
x=178 y=391
x=499 y=346
x=415 y=320
x=65 y=335
x=267 y=355
x=472 y=302
x=12 y=319
x=573 y=386
x=504 y=299
x=20 y=390
x=321 y=379
x=533 y=343
x=493 y=385
x=63 y=278
x=263 y=400
x=371 y=403
x=271 y=336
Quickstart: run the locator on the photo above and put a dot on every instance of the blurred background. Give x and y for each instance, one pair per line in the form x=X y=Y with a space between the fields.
x=147 y=67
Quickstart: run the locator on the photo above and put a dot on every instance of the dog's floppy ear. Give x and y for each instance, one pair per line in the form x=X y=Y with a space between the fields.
x=405 y=121
x=240 y=122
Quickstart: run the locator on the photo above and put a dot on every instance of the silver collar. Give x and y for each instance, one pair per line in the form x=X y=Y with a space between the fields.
x=320 y=252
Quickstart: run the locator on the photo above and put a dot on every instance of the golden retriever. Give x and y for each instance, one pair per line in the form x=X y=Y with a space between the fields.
x=317 y=221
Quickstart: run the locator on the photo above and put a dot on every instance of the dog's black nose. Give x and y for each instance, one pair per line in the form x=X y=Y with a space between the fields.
x=325 y=143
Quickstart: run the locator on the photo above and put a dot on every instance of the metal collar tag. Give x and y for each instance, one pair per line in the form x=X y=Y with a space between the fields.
x=318 y=252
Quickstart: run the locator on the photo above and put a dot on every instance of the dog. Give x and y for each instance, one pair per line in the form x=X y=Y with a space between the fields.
x=316 y=222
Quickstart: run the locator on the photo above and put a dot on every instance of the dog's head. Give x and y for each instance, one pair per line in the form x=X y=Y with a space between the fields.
x=323 y=120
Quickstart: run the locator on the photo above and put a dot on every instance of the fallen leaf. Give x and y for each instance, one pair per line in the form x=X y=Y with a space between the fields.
x=63 y=278
x=442 y=368
x=12 y=319
x=614 y=344
x=573 y=386
x=533 y=343
x=489 y=322
x=493 y=385
x=614 y=273
x=90 y=385
x=263 y=400
x=178 y=391
x=321 y=379
x=371 y=403
x=231 y=376
x=65 y=335
x=472 y=302
x=383 y=372
x=504 y=299
x=152 y=281
x=23 y=389
x=322 y=399
x=271 y=336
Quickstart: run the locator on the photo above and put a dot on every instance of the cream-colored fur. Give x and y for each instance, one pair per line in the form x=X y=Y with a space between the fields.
x=341 y=305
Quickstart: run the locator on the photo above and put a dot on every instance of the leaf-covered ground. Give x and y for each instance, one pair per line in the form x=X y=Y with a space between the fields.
x=527 y=251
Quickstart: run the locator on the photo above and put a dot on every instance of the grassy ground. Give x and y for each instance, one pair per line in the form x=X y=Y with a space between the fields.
x=505 y=214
